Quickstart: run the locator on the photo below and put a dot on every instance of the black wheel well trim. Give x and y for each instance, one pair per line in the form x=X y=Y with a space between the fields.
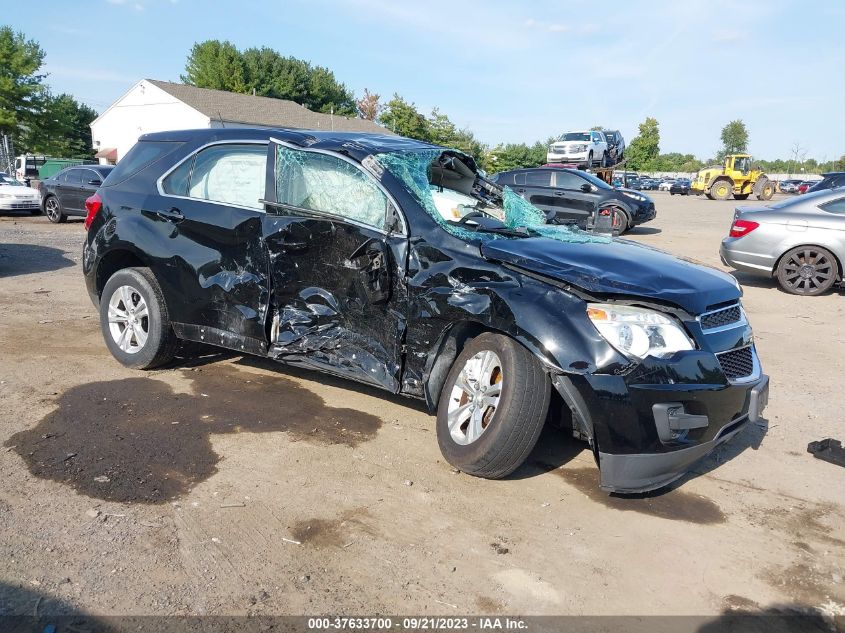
x=115 y=260
x=448 y=347
x=839 y=271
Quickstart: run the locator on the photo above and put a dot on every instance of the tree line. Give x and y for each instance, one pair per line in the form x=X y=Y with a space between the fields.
x=41 y=122
x=38 y=120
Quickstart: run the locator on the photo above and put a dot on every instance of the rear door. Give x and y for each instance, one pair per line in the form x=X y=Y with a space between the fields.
x=338 y=247
x=69 y=191
x=207 y=224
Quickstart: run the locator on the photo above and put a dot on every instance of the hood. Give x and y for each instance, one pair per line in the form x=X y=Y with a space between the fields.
x=619 y=267
x=23 y=192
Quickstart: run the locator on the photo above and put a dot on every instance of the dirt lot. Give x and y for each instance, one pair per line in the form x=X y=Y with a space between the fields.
x=231 y=485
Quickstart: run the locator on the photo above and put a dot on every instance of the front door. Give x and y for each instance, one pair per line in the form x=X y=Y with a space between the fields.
x=337 y=267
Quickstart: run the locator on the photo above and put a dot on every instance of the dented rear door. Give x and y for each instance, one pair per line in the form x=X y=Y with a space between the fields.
x=339 y=301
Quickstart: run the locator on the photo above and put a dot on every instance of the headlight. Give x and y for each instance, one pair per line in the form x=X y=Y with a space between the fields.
x=637 y=332
x=635 y=196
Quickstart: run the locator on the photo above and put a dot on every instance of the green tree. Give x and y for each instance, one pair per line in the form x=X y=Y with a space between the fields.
x=644 y=149
x=265 y=72
x=404 y=119
x=734 y=139
x=62 y=129
x=217 y=65
x=21 y=85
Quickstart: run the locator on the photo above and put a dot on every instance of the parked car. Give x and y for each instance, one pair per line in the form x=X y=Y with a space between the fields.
x=615 y=145
x=64 y=194
x=648 y=184
x=799 y=241
x=830 y=180
x=681 y=186
x=588 y=148
x=789 y=186
x=634 y=183
x=574 y=196
x=392 y=262
x=15 y=196
x=805 y=185
x=666 y=185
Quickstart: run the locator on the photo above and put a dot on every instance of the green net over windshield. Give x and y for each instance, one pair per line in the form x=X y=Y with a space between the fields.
x=411 y=169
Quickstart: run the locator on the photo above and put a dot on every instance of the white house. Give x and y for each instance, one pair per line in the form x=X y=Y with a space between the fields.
x=156 y=106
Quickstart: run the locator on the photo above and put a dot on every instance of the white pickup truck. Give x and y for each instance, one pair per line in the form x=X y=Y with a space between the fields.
x=589 y=148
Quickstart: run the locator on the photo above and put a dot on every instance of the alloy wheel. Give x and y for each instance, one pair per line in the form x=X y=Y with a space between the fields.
x=807 y=271
x=51 y=208
x=475 y=397
x=129 y=320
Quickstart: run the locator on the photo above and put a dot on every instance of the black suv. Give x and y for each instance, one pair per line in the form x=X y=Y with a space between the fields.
x=393 y=262
x=573 y=195
x=615 y=145
x=65 y=193
x=830 y=180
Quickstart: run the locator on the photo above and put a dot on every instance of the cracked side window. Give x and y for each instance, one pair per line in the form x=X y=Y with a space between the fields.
x=325 y=183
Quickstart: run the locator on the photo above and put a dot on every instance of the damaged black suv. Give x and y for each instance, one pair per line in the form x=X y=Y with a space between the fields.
x=394 y=263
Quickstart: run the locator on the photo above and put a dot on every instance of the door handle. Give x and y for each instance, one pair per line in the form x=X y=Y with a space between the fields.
x=520 y=190
x=172 y=215
x=559 y=193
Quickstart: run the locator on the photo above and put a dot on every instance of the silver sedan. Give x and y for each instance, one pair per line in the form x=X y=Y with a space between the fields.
x=801 y=241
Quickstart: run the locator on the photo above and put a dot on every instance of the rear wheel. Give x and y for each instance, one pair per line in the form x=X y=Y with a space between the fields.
x=492 y=407
x=605 y=160
x=53 y=210
x=590 y=159
x=721 y=190
x=807 y=270
x=135 y=321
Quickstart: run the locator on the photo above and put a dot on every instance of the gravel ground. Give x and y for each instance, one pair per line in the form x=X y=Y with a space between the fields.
x=232 y=485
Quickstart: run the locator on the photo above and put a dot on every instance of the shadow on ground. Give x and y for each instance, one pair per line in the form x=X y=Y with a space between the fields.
x=23 y=259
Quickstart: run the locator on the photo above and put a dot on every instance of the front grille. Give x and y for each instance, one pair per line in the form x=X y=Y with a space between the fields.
x=737 y=363
x=25 y=205
x=721 y=318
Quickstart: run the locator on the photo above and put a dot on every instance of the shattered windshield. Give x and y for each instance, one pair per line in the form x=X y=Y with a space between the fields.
x=469 y=207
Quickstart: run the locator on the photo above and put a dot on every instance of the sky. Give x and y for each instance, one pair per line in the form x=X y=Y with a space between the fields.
x=509 y=71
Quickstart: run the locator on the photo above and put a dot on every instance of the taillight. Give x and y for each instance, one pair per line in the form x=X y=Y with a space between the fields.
x=93 y=205
x=743 y=227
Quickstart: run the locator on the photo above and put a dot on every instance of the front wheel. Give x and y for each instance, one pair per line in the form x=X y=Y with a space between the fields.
x=135 y=321
x=492 y=407
x=807 y=270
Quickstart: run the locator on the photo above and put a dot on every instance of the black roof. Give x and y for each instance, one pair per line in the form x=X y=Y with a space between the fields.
x=357 y=145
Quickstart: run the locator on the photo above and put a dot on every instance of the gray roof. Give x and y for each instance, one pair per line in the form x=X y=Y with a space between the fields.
x=262 y=111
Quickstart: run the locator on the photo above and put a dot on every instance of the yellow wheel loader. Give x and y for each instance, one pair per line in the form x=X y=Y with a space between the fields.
x=735 y=178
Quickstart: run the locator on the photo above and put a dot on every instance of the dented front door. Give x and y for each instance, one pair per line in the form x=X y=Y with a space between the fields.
x=339 y=300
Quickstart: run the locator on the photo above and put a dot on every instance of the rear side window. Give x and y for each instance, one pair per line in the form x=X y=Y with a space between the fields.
x=142 y=154
x=541 y=178
x=231 y=174
x=176 y=183
x=835 y=206
x=565 y=180
x=73 y=177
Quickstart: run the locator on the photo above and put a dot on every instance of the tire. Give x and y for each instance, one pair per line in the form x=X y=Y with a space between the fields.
x=605 y=160
x=621 y=217
x=707 y=193
x=53 y=210
x=155 y=341
x=505 y=432
x=590 y=159
x=807 y=271
x=766 y=191
x=721 y=190
x=741 y=196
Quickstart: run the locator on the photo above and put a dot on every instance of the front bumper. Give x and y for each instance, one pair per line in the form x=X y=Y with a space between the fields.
x=581 y=157
x=11 y=204
x=649 y=426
